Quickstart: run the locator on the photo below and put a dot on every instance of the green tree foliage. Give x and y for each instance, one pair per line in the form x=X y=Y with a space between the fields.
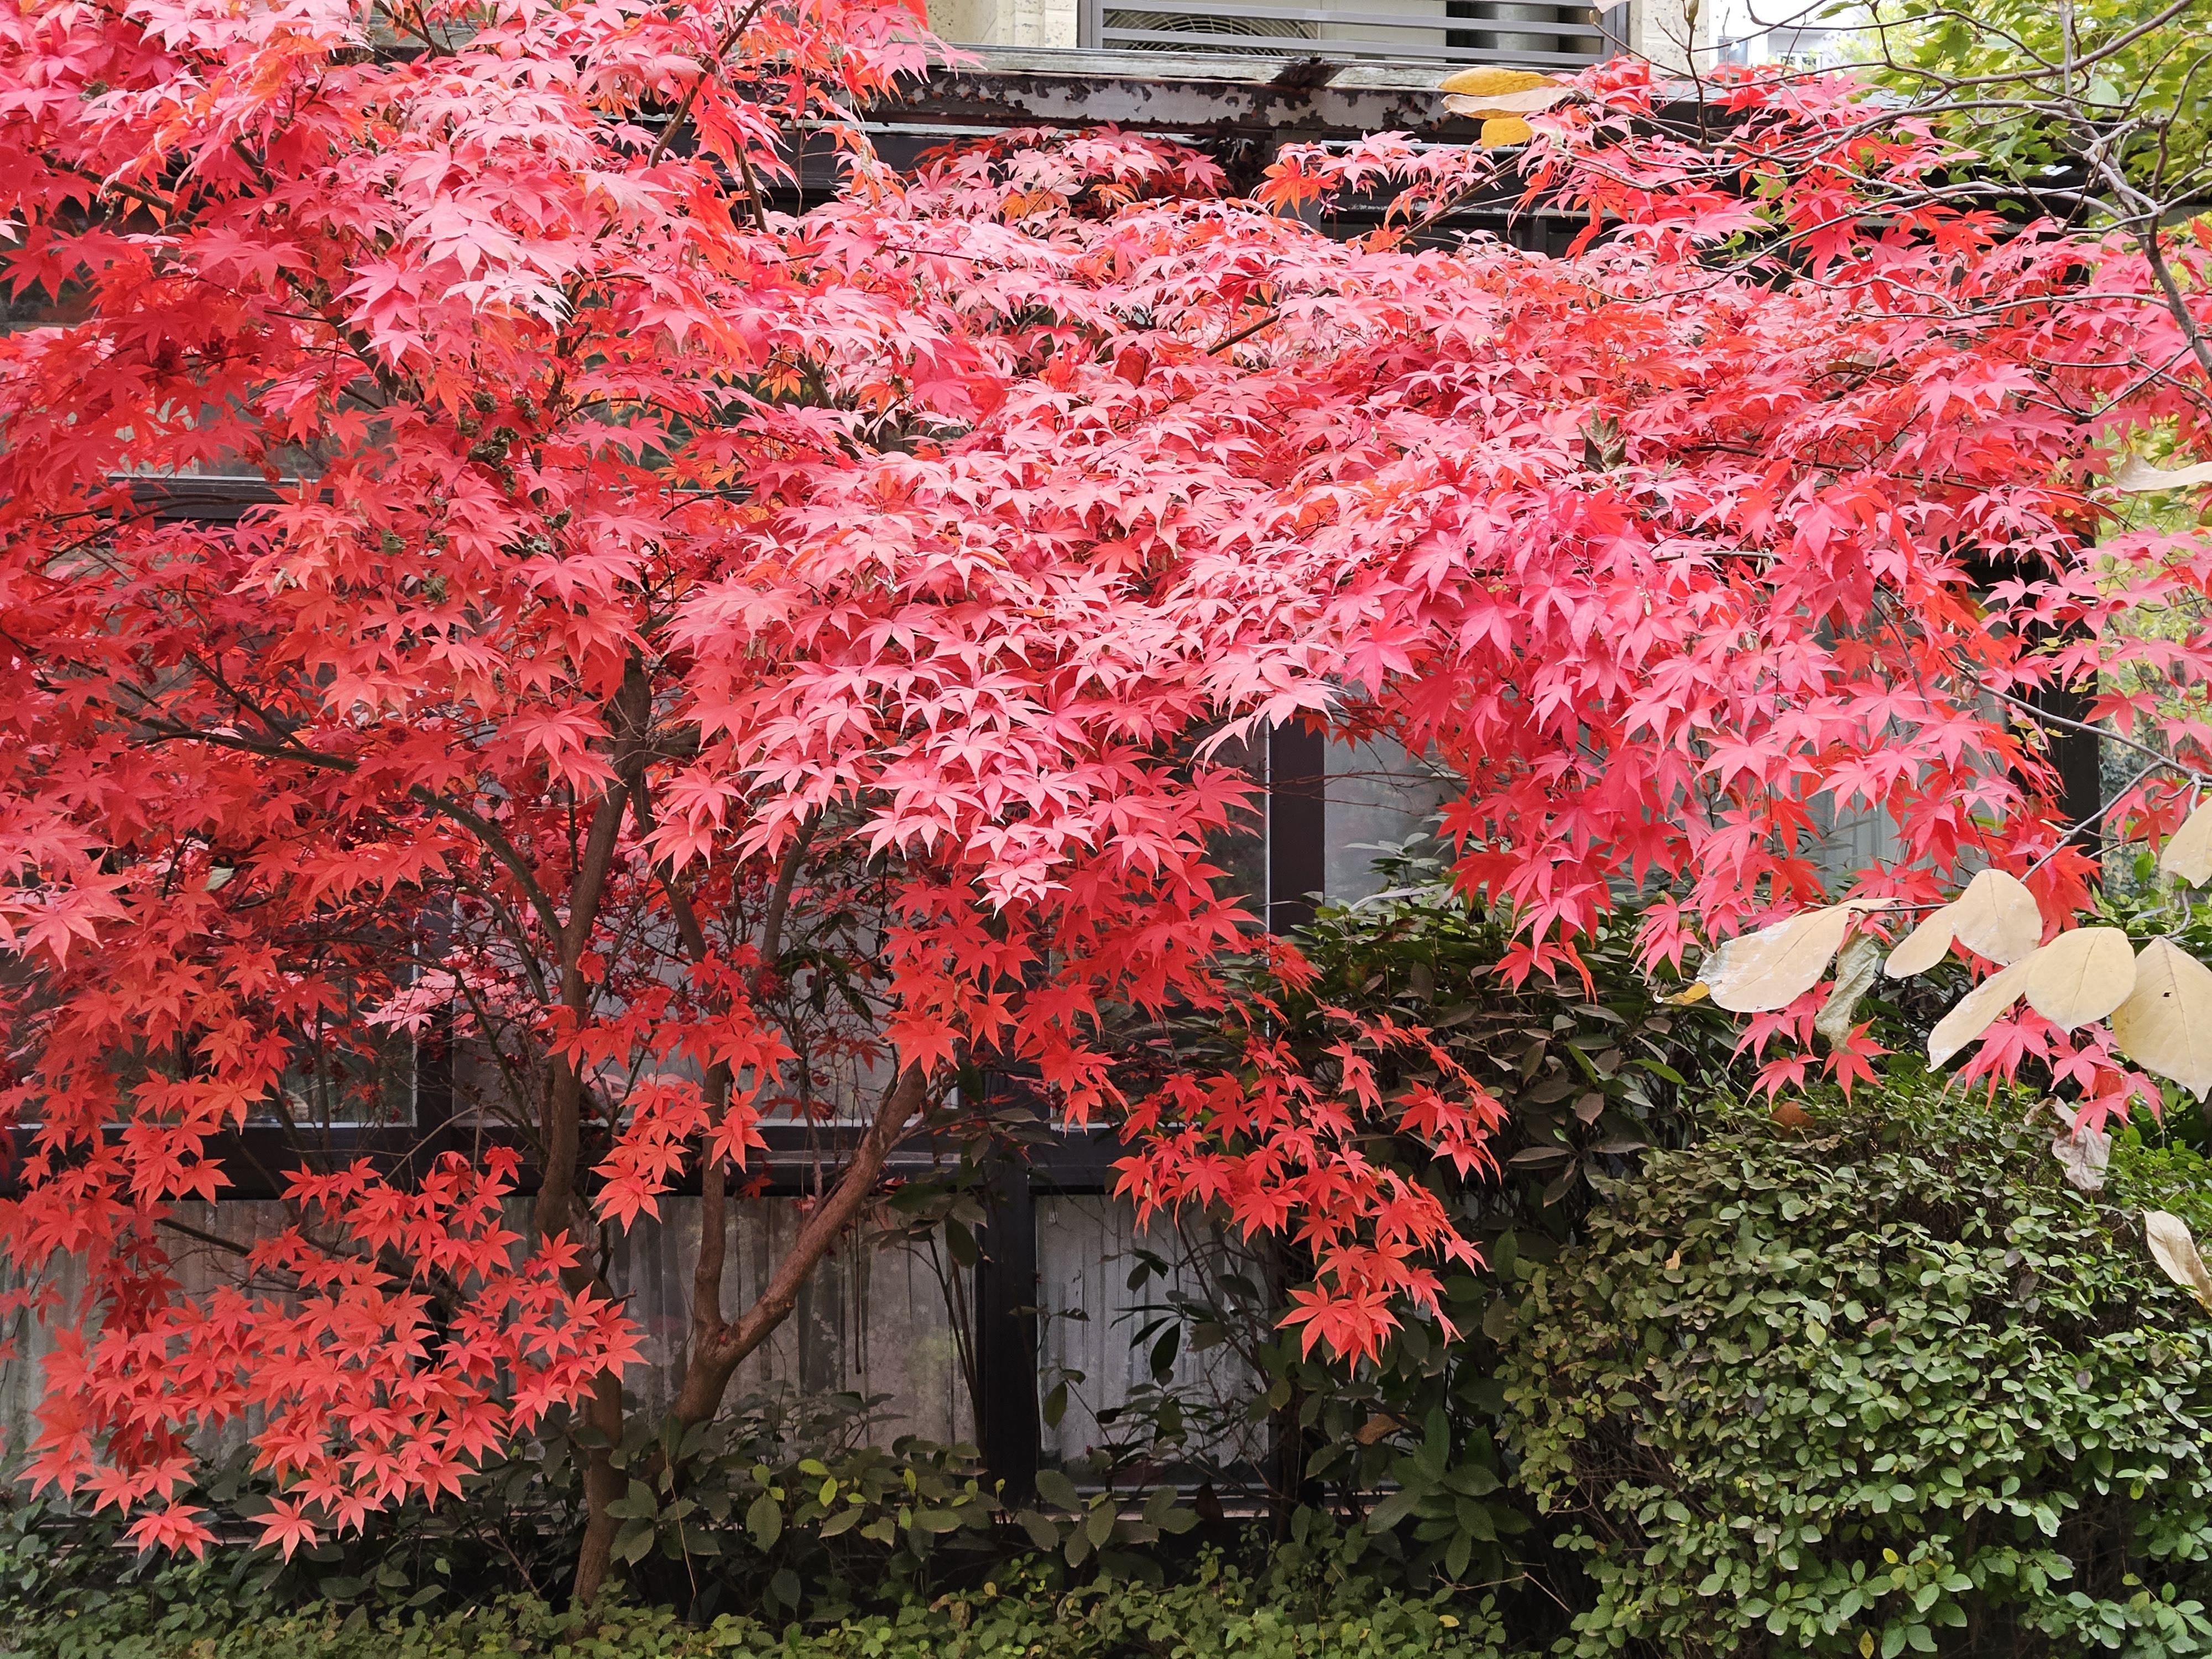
x=2070 y=102
x=2087 y=113
x=1886 y=1384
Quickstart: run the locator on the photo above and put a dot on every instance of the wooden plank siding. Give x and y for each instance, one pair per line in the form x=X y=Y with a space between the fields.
x=1091 y=1316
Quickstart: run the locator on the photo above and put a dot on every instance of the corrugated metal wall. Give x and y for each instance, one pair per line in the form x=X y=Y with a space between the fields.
x=1091 y=1316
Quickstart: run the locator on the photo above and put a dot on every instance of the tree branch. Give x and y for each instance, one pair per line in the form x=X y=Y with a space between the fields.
x=709 y=1371
x=501 y=848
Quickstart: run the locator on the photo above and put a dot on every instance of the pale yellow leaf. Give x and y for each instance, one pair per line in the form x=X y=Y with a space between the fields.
x=1977 y=1012
x=2136 y=474
x=1503 y=105
x=1995 y=917
x=2165 y=1023
x=2175 y=1251
x=1924 y=947
x=1771 y=969
x=1491 y=82
x=2188 y=856
x=2080 y=976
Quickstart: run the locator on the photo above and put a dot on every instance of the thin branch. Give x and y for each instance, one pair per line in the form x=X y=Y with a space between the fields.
x=2049 y=718
x=2066 y=836
x=2175 y=303
x=1242 y=334
x=496 y=843
x=728 y=39
x=779 y=898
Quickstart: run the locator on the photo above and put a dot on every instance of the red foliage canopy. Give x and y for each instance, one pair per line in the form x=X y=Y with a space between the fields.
x=657 y=582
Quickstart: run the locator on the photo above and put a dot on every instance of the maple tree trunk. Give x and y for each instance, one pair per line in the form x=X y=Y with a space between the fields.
x=717 y=1349
x=603 y=1483
x=561 y=1208
x=718 y=1346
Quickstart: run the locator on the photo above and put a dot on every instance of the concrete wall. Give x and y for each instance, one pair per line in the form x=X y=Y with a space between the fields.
x=1670 y=32
x=871 y=1320
x=1005 y=22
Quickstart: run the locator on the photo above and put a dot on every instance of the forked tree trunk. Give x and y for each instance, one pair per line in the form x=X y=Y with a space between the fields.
x=720 y=1346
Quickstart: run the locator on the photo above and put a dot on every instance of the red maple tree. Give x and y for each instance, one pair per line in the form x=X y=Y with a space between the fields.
x=720 y=663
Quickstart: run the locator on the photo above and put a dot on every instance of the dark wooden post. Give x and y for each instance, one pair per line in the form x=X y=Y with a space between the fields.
x=1297 y=774
x=1006 y=1425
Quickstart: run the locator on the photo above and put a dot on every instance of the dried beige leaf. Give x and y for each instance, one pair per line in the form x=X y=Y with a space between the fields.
x=2080 y=976
x=1491 y=82
x=2084 y=1152
x=2175 y=1251
x=1754 y=973
x=1996 y=917
x=1977 y=1012
x=1924 y=947
x=2136 y=475
x=2165 y=1023
x=1856 y=968
x=2188 y=856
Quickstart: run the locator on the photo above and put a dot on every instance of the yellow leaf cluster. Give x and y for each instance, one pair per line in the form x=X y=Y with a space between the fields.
x=2188 y=856
x=1492 y=81
x=1502 y=100
x=2159 y=1001
x=1995 y=917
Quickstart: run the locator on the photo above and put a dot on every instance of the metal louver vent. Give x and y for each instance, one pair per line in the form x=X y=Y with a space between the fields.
x=1525 y=34
x=1142 y=31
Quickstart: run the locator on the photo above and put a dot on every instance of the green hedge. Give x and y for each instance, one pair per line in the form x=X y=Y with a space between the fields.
x=1220 y=1613
x=1888 y=1385
x=1885 y=1385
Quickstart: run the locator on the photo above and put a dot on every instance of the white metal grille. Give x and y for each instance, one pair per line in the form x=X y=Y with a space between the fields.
x=1540 y=36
